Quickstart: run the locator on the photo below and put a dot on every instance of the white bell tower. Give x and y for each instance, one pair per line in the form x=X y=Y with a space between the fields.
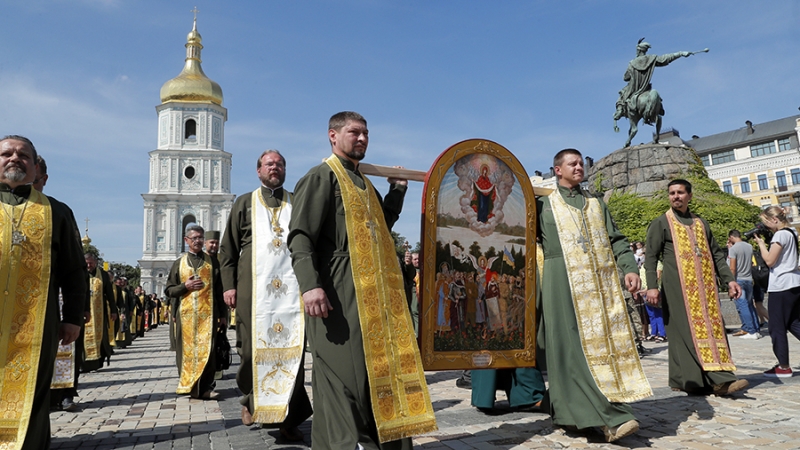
x=190 y=171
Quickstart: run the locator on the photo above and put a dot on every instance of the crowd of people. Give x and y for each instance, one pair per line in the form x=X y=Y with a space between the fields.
x=316 y=270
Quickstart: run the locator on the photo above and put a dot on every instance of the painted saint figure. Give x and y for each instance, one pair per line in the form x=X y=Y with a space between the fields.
x=483 y=196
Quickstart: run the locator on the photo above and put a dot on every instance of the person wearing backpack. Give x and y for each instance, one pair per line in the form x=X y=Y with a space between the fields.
x=784 y=286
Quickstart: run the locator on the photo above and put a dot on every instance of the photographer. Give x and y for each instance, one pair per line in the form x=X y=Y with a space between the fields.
x=784 y=286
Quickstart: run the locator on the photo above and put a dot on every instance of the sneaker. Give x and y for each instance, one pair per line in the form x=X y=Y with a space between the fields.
x=620 y=431
x=779 y=372
x=751 y=336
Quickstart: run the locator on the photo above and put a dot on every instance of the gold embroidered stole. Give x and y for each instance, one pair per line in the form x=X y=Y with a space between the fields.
x=93 y=331
x=600 y=310
x=120 y=332
x=699 y=285
x=64 y=371
x=401 y=404
x=197 y=327
x=25 y=281
x=277 y=311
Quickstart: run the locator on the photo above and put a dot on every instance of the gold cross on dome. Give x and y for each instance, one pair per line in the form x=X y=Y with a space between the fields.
x=195 y=11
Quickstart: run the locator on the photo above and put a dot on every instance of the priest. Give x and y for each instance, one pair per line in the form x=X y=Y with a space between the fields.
x=259 y=282
x=194 y=282
x=368 y=384
x=592 y=362
x=39 y=254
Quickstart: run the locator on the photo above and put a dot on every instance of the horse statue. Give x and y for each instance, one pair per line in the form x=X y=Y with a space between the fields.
x=638 y=100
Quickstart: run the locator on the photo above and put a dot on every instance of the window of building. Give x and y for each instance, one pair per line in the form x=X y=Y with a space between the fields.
x=744 y=184
x=795 y=176
x=780 y=178
x=727 y=187
x=763 y=184
x=762 y=149
x=722 y=157
x=706 y=160
x=191 y=130
x=784 y=144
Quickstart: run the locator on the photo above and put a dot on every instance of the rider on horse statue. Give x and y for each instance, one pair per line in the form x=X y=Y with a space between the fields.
x=638 y=101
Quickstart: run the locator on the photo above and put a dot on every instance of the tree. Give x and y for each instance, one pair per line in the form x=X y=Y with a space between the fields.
x=722 y=211
x=133 y=274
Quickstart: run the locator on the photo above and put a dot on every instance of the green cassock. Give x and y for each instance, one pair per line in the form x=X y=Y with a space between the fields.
x=68 y=273
x=685 y=371
x=321 y=259
x=574 y=398
x=236 y=265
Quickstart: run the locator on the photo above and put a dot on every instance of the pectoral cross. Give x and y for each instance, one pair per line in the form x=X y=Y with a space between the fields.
x=371 y=225
x=583 y=241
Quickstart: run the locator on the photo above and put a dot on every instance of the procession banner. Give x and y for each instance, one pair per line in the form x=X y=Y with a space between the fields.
x=478 y=260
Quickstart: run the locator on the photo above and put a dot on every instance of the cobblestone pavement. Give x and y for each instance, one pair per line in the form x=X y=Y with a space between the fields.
x=132 y=405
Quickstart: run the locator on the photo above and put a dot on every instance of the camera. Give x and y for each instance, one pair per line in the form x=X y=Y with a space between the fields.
x=760 y=230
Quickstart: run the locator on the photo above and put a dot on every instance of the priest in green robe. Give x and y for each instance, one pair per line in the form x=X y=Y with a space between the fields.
x=97 y=348
x=700 y=360
x=239 y=258
x=369 y=390
x=592 y=363
x=38 y=245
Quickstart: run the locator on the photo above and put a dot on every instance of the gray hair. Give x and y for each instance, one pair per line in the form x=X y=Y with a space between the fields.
x=195 y=227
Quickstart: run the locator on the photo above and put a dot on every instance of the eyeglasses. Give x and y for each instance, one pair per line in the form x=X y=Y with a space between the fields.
x=196 y=238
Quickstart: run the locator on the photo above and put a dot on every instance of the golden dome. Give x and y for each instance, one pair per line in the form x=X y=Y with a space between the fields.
x=192 y=85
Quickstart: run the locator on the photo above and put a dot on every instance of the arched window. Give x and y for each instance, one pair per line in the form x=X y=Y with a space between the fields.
x=190 y=132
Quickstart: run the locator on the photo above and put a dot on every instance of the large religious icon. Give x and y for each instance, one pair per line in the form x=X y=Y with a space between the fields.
x=478 y=284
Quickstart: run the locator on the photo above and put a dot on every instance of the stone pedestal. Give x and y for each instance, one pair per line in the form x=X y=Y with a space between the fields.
x=642 y=169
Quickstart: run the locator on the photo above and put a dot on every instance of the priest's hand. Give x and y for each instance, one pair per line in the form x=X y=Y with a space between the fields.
x=68 y=333
x=113 y=317
x=632 y=282
x=194 y=284
x=230 y=298
x=316 y=303
x=87 y=316
x=653 y=296
x=399 y=181
x=734 y=290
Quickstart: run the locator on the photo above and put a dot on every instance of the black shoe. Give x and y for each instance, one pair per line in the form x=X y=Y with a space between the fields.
x=642 y=351
x=68 y=405
x=463 y=384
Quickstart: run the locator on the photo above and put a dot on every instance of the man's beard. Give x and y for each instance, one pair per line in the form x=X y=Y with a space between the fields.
x=356 y=154
x=15 y=174
x=273 y=182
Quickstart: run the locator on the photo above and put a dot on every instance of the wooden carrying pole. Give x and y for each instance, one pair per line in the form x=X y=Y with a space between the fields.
x=415 y=175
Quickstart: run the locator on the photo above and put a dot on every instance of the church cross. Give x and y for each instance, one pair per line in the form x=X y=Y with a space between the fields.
x=87 y=224
x=195 y=11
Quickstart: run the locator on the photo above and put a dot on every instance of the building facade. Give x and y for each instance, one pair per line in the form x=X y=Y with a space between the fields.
x=189 y=169
x=759 y=163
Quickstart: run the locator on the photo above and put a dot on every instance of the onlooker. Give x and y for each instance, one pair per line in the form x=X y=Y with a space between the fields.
x=739 y=255
x=654 y=312
x=784 y=286
x=760 y=285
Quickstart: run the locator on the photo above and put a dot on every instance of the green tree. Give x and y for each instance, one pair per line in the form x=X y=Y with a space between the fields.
x=722 y=211
x=133 y=274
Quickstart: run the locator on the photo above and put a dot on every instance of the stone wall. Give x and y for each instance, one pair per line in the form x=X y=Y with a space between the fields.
x=642 y=169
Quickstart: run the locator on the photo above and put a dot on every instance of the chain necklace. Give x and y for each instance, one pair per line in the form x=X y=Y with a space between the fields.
x=275 y=215
x=583 y=240
x=17 y=236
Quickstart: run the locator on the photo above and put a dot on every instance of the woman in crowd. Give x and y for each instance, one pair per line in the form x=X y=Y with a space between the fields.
x=784 y=286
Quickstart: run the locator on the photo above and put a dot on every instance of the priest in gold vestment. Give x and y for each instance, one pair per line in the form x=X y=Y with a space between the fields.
x=259 y=282
x=368 y=384
x=39 y=254
x=194 y=283
x=700 y=360
x=592 y=362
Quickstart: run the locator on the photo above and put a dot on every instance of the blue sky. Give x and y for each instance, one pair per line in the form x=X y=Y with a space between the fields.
x=81 y=78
